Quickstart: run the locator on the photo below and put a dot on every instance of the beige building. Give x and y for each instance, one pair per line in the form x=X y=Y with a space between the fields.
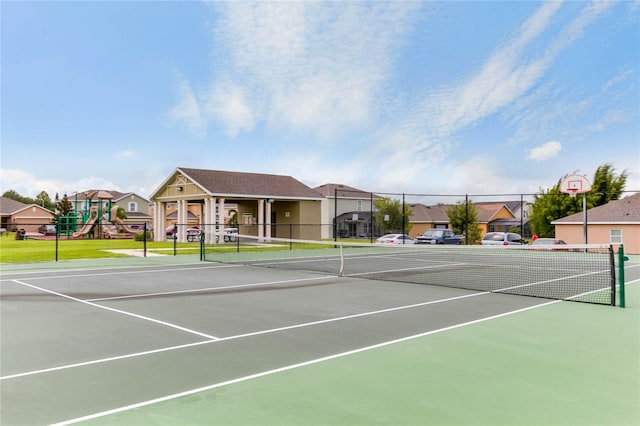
x=263 y=205
x=15 y=215
x=617 y=222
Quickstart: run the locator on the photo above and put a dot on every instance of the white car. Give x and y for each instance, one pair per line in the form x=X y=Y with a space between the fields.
x=395 y=239
x=502 y=239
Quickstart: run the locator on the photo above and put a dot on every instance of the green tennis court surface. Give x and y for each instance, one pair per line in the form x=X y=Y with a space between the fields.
x=209 y=343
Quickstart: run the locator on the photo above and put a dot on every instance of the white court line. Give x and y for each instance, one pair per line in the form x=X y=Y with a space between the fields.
x=105 y=274
x=142 y=317
x=288 y=367
x=197 y=290
x=255 y=333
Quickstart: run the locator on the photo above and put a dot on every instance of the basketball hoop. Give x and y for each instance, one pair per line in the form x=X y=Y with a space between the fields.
x=578 y=184
x=575 y=184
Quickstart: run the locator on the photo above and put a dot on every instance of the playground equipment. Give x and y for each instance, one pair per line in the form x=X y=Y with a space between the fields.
x=89 y=224
x=115 y=219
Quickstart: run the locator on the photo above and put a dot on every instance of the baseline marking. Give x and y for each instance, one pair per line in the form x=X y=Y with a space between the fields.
x=288 y=367
x=142 y=317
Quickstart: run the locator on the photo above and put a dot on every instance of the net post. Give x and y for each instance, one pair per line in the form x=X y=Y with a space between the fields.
x=621 y=259
x=201 y=246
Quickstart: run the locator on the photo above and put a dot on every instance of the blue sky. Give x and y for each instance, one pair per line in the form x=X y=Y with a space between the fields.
x=416 y=97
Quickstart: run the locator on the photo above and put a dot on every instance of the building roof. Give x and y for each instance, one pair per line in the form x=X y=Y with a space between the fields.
x=9 y=206
x=487 y=212
x=223 y=183
x=341 y=191
x=623 y=211
x=438 y=213
x=429 y=214
x=102 y=194
x=513 y=206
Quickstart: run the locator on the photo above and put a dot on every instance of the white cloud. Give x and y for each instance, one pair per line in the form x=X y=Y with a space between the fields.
x=545 y=151
x=28 y=185
x=187 y=111
x=228 y=103
x=301 y=66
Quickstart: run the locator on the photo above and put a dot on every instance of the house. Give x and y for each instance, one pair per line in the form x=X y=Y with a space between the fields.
x=351 y=207
x=16 y=215
x=516 y=215
x=264 y=205
x=617 y=222
x=425 y=217
x=492 y=216
x=136 y=207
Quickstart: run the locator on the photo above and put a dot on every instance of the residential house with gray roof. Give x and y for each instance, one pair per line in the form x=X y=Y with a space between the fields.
x=617 y=222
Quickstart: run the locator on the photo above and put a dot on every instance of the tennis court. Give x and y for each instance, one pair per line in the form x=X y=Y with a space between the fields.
x=174 y=340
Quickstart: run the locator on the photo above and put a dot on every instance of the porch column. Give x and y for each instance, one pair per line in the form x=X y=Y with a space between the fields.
x=159 y=210
x=221 y=219
x=206 y=220
x=267 y=219
x=260 y=220
x=182 y=221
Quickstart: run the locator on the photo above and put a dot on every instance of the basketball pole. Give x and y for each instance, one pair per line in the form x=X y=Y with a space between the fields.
x=584 y=216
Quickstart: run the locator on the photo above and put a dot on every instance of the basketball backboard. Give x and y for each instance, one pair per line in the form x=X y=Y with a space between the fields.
x=575 y=184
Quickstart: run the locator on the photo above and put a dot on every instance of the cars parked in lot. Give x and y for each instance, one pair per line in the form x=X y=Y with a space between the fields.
x=395 y=239
x=439 y=236
x=47 y=229
x=502 y=239
x=141 y=227
x=549 y=244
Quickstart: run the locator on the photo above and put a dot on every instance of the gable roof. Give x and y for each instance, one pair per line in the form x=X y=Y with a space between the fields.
x=421 y=213
x=623 y=211
x=228 y=184
x=9 y=206
x=438 y=213
x=339 y=190
x=103 y=194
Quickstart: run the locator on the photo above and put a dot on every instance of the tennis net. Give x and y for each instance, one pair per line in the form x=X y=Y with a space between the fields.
x=584 y=273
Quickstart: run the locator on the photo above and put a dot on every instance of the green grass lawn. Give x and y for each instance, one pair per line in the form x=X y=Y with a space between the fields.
x=21 y=251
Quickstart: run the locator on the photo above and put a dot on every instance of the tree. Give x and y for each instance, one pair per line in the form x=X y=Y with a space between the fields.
x=42 y=199
x=552 y=204
x=606 y=185
x=64 y=206
x=13 y=195
x=463 y=218
x=389 y=215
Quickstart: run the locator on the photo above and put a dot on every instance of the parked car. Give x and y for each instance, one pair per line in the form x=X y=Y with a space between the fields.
x=395 y=239
x=439 y=236
x=502 y=239
x=47 y=229
x=549 y=244
x=140 y=227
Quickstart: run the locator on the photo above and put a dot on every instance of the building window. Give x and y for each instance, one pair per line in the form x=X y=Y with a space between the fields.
x=133 y=206
x=359 y=208
x=615 y=236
